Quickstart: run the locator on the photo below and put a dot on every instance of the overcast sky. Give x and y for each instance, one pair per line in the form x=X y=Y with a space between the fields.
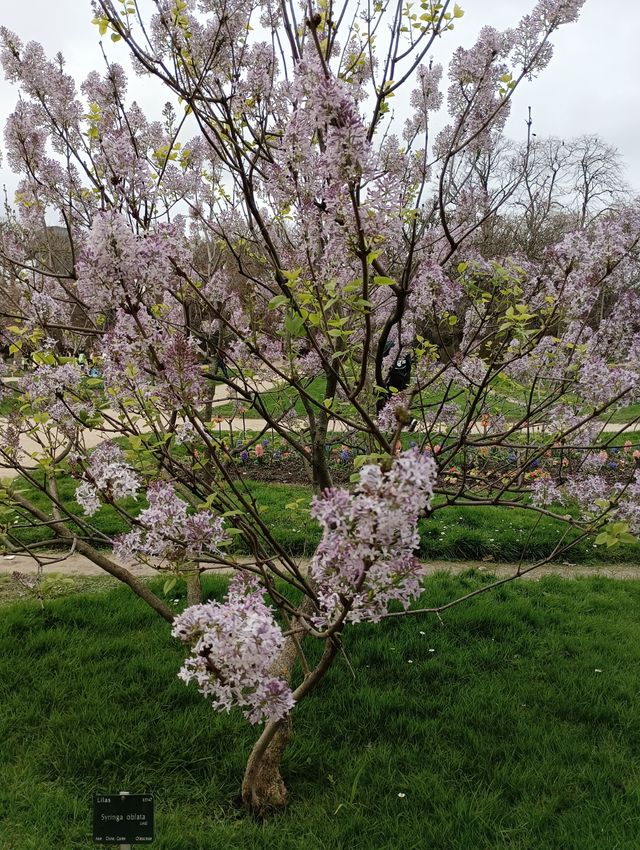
x=591 y=87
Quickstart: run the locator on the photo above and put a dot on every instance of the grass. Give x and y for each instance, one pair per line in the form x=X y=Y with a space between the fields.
x=501 y=733
x=55 y=585
x=511 y=403
x=452 y=534
x=9 y=404
x=276 y=401
x=630 y=413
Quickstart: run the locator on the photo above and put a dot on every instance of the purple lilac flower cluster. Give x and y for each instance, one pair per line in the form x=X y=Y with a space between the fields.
x=168 y=531
x=366 y=556
x=235 y=644
x=107 y=475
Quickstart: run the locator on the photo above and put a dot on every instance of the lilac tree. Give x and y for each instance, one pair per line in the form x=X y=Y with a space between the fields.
x=307 y=237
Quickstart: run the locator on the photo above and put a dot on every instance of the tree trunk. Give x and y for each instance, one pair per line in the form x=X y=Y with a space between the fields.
x=194 y=587
x=263 y=787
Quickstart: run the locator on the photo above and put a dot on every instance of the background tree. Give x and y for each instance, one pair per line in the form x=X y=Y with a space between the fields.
x=544 y=188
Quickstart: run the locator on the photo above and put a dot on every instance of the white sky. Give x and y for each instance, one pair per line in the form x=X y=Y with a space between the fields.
x=591 y=87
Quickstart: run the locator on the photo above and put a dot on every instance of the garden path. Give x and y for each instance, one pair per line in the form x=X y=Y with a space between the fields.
x=30 y=448
x=78 y=565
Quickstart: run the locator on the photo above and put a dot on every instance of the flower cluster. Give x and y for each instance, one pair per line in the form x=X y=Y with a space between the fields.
x=119 y=268
x=55 y=390
x=395 y=409
x=629 y=509
x=544 y=491
x=10 y=431
x=168 y=531
x=235 y=646
x=107 y=476
x=366 y=556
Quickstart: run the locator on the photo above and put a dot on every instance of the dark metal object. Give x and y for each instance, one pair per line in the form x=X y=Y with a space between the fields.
x=122 y=818
x=400 y=373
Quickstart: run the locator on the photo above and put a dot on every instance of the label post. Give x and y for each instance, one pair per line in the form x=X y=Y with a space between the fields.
x=124 y=846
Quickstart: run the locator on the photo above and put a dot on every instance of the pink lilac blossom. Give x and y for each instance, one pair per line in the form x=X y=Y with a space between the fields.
x=235 y=645
x=181 y=379
x=55 y=390
x=547 y=360
x=184 y=432
x=600 y=383
x=25 y=138
x=388 y=416
x=587 y=490
x=119 y=268
x=366 y=556
x=433 y=292
x=563 y=418
x=544 y=491
x=106 y=475
x=475 y=92
x=106 y=92
x=425 y=98
x=168 y=531
x=629 y=506
x=145 y=360
x=470 y=372
x=594 y=461
x=10 y=437
x=41 y=79
x=443 y=416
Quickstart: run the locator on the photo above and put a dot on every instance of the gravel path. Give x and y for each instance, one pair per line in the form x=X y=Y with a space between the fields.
x=78 y=565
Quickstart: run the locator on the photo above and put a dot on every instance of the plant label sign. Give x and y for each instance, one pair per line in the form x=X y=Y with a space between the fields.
x=122 y=818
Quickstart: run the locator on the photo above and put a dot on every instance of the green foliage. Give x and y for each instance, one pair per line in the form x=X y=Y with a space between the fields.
x=614 y=534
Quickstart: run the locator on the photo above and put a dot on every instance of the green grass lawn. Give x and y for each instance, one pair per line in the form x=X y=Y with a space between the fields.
x=9 y=404
x=510 y=402
x=513 y=723
x=452 y=534
x=275 y=401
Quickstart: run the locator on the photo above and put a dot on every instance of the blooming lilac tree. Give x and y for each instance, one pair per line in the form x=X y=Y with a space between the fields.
x=308 y=237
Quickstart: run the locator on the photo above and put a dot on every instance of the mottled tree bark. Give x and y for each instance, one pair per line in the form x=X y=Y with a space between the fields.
x=263 y=787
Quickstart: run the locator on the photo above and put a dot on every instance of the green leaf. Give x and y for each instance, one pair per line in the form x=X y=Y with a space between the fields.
x=169 y=584
x=294 y=324
x=619 y=527
x=278 y=301
x=291 y=276
x=376 y=457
